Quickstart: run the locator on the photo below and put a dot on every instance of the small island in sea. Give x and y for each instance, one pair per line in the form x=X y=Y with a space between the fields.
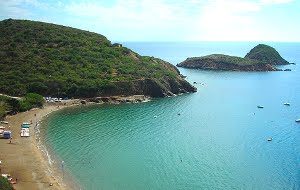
x=60 y=61
x=261 y=58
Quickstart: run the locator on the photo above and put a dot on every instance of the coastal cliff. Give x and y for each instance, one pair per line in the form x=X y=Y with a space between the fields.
x=55 y=60
x=260 y=58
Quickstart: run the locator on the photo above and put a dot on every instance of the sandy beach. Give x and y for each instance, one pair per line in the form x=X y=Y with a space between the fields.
x=22 y=159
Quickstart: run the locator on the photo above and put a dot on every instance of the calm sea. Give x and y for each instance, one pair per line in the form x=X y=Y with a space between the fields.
x=213 y=139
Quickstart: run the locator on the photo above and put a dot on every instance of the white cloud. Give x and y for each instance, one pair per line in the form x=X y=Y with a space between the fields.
x=127 y=13
x=140 y=17
x=276 y=1
x=19 y=8
x=149 y=20
x=11 y=9
x=229 y=20
x=186 y=20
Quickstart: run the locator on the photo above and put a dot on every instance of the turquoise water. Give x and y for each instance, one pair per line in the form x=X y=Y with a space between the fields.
x=213 y=139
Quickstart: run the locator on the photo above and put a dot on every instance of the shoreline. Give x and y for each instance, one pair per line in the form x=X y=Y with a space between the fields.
x=24 y=158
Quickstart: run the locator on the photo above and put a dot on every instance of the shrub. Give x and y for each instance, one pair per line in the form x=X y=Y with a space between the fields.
x=2 y=110
x=4 y=184
x=31 y=100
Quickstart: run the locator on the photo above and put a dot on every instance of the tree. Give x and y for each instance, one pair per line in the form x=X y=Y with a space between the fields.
x=4 y=184
x=2 y=109
x=37 y=87
x=31 y=100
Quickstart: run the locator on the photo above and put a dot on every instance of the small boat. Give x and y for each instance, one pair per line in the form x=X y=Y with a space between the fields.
x=298 y=120
x=155 y=116
x=287 y=104
x=270 y=139
x=195 y=82
x=260 y=106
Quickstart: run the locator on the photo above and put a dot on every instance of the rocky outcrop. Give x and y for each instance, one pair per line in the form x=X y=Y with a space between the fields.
x=260 y=58
x=150 y=87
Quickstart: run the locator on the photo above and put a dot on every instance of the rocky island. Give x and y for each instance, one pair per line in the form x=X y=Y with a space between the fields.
x=260 y=58
x=60 y=61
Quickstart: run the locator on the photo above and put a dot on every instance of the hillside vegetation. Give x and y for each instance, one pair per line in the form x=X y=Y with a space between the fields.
x=227 y=59
x=13 y=105
x=55 y=60
x=4 y=184
x=266 y=54
x=260 y=58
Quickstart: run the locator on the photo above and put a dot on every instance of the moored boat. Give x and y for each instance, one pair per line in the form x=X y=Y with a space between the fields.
x=270 y=139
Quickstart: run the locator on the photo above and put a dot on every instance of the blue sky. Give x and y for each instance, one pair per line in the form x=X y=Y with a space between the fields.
x=168 y=20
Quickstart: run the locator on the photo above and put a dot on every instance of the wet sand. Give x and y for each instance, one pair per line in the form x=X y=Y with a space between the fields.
x=22 y=159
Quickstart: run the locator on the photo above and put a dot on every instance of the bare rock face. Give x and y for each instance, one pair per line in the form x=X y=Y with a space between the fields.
x=151 y=87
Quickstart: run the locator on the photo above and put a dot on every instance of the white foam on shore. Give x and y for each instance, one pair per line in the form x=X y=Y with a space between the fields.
x=53 y=169
x=45 y=153
x=40 y=145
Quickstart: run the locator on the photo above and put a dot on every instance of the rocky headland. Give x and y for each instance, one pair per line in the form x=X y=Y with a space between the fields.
x=260 y=58
x=59 y=61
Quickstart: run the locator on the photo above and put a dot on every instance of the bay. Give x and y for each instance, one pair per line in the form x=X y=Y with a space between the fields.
x=213 y=139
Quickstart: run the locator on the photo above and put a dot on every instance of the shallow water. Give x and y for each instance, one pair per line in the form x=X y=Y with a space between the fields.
x=213 y=139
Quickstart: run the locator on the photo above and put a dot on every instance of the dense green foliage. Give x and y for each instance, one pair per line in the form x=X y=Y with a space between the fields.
x=55 y=60
x=4 y=184
x=3 y=107
x=260 y=58
x=228 y=59
x=266 y=54
x=31 y=100
x=12 y=105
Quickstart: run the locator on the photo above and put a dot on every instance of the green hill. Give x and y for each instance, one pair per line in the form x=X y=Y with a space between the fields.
x=55 y=60
x=225 y=63
x=227 y=59
x=260 y=58
x=266 y=54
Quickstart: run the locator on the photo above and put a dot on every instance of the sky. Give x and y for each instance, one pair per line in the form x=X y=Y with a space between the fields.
x=168 y=20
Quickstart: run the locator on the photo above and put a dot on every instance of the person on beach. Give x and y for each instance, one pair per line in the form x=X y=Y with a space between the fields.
x=10 y=140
